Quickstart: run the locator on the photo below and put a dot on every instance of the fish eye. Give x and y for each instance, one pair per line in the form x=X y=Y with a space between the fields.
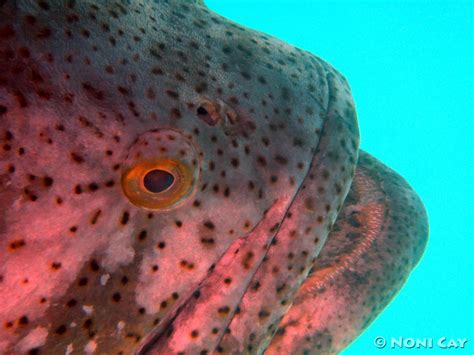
x=159 y=184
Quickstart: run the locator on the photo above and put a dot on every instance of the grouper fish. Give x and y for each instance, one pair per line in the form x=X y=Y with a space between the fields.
x=174 y=183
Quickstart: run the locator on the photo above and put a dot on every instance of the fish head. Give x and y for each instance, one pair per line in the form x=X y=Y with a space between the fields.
x=139 y=141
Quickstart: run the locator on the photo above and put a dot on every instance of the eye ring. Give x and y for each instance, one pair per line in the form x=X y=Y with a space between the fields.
x=134 y=187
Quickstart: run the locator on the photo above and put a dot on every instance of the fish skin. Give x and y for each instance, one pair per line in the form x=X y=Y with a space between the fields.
x=85 y=88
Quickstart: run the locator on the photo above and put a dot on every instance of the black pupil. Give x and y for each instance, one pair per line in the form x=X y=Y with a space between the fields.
x=158 y=180
x=201 y=111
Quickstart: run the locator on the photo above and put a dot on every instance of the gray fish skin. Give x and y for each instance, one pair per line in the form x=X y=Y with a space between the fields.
x=260 y=137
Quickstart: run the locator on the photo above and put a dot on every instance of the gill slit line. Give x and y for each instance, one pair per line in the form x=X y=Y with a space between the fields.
x=286 y=211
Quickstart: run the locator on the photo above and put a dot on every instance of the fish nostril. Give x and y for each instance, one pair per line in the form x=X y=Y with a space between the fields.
x=157 y=180
x=214 y=112
x=208 y=115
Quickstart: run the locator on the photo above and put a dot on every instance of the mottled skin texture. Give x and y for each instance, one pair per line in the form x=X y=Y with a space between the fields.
x=90 y=91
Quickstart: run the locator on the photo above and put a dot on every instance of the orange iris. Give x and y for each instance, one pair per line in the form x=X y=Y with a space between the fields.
x=173 y=190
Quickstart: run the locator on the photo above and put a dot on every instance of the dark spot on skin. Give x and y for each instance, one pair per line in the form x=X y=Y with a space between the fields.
x=77 y=158
x=94 y=266
x=116 y=297
x=263 y=314
x=110 y=183
x=61 y=330
x=281 y=160
x=56 y=265
x=352 y=236
x=209 y=225
x=256 y=286
x=93 y=187
x=87 y=323
x=187 y=265
x=172 y=94
x=325 y=174
x=95 y=217
x=125 y=217
x=16 y=244
x=208 y=241
x=44 y=5
x=223 y=310
x=261 y=161
x=353 y=220
x=48 y=181
x=142 y=235
x=78 y=189
x=247 y=260
x=23 y=320
x=71 y=303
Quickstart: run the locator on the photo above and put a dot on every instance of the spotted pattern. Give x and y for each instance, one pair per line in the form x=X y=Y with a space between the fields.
x=268 y=132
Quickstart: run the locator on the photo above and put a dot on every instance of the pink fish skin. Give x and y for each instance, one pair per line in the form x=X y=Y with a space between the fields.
x=173 y=182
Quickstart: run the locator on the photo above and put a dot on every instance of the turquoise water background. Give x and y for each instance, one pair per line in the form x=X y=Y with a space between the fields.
x=411 y=68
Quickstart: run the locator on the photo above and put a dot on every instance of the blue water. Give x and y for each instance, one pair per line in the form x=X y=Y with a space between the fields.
x=411 y=69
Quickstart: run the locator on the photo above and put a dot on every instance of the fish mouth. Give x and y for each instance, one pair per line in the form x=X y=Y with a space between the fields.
x=242 y=259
